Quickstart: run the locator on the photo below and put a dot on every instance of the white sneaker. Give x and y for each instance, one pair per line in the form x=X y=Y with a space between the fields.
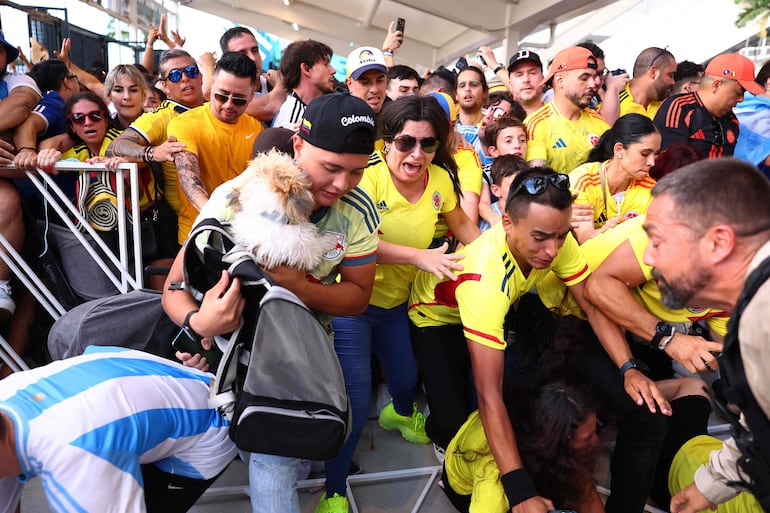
x=439 y=452
x=7 y=305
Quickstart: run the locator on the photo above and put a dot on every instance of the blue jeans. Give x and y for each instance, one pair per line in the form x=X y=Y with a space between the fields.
x=272 y=482
x=385 y=332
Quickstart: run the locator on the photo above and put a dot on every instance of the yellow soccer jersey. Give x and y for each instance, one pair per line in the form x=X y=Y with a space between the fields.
x=586 y=181
x=146 y=179
x=487 y=287
x=562 y=143
x=81 y=152
x=477 y=476
x=223 y=151
x=597 y=249
x=404 y=223
x=628 y=105
x=152 y=126
x=468 y=174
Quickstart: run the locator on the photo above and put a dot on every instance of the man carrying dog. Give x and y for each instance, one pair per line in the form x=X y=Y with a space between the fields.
x=333 y=146
x=706 y=240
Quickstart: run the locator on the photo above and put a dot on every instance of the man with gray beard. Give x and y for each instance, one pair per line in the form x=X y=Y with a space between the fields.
x=705 y=241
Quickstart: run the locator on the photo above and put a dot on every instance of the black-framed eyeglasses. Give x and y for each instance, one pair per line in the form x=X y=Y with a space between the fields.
x=658 y=55
x=238 y=101
x=175 y=74
x=537 y=184
x=407 y=143
x=72 y=76
x=79 y=118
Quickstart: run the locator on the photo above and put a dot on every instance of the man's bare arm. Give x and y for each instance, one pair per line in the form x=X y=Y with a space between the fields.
x=129 y=144
x=15 y=109
x=189 y=174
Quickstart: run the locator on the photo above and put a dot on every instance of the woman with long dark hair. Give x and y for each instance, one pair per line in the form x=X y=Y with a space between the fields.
x=615 y=181
x=556 y=435
x=411 y=180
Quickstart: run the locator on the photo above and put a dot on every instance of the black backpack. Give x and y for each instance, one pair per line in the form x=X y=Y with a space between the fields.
x=279 y=380
x=754 y=444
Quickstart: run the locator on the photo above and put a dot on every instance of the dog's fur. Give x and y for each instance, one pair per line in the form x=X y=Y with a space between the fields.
x=273 y=202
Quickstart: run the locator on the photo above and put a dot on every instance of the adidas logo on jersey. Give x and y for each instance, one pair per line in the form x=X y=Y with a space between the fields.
x=382 y=206
x=559 y=144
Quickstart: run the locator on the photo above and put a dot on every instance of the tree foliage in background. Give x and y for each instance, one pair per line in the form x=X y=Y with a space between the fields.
x=758 y=10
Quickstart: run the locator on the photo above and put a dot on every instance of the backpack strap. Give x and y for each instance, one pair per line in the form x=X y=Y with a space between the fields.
x=222 y=395
x=755 y=443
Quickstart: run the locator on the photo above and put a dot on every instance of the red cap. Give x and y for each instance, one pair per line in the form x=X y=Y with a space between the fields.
x=735 y=67
x=575 y=57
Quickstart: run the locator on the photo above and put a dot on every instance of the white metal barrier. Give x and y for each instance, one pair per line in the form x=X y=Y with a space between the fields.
x=122 y=277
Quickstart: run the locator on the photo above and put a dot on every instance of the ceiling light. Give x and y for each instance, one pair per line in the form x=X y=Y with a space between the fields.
x=295 y=26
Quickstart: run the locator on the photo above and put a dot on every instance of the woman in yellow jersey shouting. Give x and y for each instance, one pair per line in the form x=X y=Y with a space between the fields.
x=411 y=181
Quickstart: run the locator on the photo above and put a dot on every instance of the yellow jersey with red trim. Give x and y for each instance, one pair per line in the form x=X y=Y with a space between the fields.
x=468 y=174
x=562 y=143
x=153 y=126
x=597 y=249
x=404 y=223
x=586 y=181
x=488 y=285
x=628 y=105
x=223 y=151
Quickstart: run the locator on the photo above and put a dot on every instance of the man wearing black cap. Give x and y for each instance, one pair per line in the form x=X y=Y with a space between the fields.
x=525 y=72
x=333 y=145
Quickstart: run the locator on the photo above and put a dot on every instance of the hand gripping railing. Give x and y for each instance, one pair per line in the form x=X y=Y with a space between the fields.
x=123 y=279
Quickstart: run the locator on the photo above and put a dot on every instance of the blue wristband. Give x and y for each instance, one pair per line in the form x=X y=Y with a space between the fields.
x=630 y=364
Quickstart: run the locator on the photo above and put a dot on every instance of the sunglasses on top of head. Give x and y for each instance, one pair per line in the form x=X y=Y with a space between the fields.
x=407 y=143
x=175 y=74
x=537 y=184
x=238 y=101
x=79 y=118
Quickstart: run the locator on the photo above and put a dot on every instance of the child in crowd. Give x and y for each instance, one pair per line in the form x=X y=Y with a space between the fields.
x=504 y=136
x=503 y=171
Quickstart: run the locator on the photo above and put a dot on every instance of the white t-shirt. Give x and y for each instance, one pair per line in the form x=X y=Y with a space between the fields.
x=14 y=80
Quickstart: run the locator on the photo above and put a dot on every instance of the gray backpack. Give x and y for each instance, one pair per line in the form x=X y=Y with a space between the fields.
x=279 y=380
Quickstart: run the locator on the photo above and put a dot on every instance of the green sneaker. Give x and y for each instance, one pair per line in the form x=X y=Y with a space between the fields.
x=336 y=504
x=412 y=428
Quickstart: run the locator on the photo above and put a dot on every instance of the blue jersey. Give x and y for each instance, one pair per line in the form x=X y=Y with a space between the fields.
x=85 y=425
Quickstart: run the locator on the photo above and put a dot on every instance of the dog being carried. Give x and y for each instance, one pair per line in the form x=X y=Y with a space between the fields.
x=272 y=202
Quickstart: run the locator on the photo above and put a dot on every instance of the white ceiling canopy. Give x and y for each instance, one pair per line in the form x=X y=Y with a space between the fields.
x=437 y=31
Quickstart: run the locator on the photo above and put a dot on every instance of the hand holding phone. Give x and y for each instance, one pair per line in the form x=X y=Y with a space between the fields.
x=184 y=344
x=400 y=23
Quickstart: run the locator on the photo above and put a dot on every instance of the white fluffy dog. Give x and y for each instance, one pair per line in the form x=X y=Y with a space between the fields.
x=273 y=202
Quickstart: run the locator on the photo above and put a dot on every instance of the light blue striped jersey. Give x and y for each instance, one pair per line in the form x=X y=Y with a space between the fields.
x=86 y=424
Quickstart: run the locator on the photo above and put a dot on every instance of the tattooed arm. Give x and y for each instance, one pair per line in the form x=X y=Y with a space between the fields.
x=189 y=174
x=131 y=144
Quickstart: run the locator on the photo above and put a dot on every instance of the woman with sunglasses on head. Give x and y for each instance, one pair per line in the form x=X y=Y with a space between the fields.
x=615 y=182
x=411 y=180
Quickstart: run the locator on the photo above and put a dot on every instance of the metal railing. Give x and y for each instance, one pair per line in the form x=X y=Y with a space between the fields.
x=117 y=268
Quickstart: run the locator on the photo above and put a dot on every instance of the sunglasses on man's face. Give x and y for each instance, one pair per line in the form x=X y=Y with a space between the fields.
x=407 y=143
x=175 y=74
x=537 y=184
x=79 y=118
x=238 y=101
